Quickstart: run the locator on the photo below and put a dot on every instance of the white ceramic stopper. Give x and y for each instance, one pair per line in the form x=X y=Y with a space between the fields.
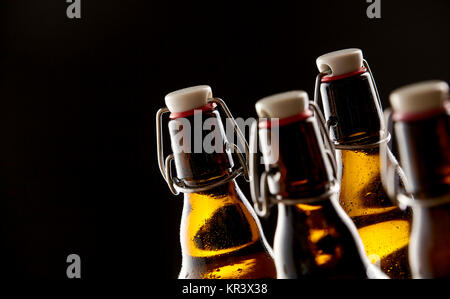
x=419 y=97
x=188 y=98
x=341 y=62
x=283 y=105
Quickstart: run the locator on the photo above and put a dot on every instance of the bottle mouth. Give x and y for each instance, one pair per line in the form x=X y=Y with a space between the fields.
x=329 y=78
x=205 y=108
x=279 y=122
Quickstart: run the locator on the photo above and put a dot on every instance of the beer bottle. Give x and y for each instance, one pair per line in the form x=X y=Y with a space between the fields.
x=314 y=238
x=220 y=234
x=422 y=129
x=353 y=112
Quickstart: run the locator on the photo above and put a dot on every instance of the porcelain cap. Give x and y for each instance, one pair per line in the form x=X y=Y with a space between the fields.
x=419 y=97
x=283 y=105
x=341 y=62
x=188 y=98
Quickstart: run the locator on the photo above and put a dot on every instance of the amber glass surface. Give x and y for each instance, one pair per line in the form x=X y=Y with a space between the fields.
x=354 y=117
x=382 y=226
x=351 y=109
x=220 y=235
x=424 y=147
x=311 y=240
x=430 y=242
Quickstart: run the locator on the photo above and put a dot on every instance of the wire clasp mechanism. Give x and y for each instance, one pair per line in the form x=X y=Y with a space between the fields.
x=175 y=184
x=317 y=99
x=262 y=198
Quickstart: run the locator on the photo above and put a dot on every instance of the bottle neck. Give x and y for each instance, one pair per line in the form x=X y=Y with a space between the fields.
x=301 y=169
x=198 y=145
x=424 y=149
x=227 y=193
x=352 y=110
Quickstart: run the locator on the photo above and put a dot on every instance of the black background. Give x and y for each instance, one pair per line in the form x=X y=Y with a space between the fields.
x=78 y=169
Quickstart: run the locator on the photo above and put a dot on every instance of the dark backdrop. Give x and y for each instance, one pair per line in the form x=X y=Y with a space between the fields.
x=78 y=171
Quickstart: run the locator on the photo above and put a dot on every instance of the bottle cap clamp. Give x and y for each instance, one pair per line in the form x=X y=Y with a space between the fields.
x=261 y=196
x=385 y=138
x=175 y=184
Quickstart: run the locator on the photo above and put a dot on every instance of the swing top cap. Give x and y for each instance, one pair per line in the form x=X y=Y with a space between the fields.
x=420 y=97
x=188 y=98
x=283 y=105
x=340 y=62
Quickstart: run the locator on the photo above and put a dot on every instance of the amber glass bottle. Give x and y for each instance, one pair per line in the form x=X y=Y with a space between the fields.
x=220 y=234
x=354 y=117
x=313 y=238
x=422 y=127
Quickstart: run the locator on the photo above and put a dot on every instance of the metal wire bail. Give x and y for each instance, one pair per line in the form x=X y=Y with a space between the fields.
x=165 y=164
x=159 y=141
x=258 y=186
x=243 y=160
x=318 y=99
x=330 y=149
x=388 y=165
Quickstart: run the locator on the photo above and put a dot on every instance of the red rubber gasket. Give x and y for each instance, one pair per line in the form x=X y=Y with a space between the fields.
x=329 y=78
x=267 y=124
x=207 y=107
x=397 y=116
